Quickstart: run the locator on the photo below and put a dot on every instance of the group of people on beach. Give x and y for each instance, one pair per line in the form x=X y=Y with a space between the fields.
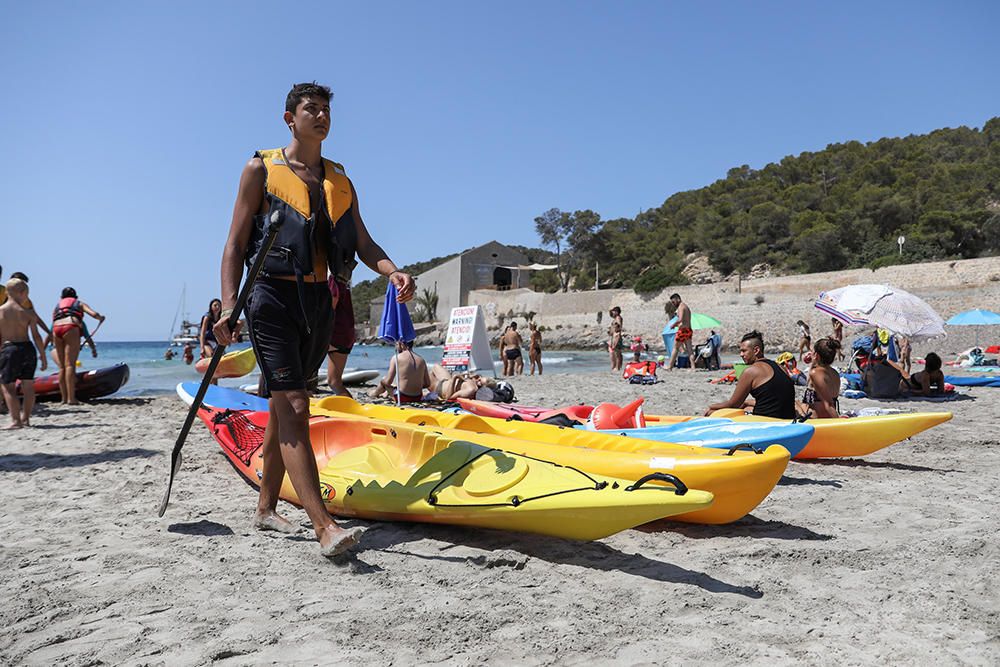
x=23 y=350
x=510 y=345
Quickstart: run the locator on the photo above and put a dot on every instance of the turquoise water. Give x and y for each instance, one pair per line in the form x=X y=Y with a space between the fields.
x=151 y=375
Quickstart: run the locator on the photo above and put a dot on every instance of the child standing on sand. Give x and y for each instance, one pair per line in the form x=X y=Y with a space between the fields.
x=17 y=355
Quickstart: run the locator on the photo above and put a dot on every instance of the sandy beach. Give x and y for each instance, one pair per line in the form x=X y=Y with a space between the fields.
x=887 y=559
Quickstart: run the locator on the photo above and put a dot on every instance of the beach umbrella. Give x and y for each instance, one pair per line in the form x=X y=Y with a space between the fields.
x=395 y=326
x=974 y=318
x=885 y=307
x=701 y=321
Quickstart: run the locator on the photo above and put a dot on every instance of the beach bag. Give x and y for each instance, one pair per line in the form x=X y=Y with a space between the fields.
x=881 y=381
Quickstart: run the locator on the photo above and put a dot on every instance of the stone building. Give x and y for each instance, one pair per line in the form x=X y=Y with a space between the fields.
x=492 y=266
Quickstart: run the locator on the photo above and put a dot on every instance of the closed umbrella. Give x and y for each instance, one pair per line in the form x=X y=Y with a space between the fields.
x=396 y=325
x=883 y=306
x=974 y=318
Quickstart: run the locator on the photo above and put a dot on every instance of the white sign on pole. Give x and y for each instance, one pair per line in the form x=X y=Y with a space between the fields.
x=901 y=240
x=467 y=347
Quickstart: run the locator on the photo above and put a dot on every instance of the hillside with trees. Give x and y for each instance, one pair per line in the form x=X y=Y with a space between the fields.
x=838 y=208
x=842 y=207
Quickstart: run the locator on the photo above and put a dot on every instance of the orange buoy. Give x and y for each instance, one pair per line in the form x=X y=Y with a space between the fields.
x=608 y=416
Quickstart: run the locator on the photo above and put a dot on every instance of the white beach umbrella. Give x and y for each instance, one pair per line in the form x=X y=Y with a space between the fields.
x=885 y=307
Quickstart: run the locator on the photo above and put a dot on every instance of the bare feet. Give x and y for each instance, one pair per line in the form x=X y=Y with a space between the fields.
x=336 y=541
x=340 y=390
x=11 y=427
x=273 y=521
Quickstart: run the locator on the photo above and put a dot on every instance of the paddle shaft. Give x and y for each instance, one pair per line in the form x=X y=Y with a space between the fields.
x=234 y=318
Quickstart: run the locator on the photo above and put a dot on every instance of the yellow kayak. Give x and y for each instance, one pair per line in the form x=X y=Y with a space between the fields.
x=739 y=480
x=395 y=472
x=232 y=365
x=852 y=436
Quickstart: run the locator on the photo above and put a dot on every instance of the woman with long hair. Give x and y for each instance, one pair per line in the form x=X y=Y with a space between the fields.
x=823 y=386
x=206 y=336
x=67 y=332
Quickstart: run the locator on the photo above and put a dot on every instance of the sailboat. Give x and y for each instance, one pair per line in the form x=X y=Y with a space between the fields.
x=188 y=332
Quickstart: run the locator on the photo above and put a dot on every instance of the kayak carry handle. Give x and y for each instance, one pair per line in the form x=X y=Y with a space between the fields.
x=680 y=488
x=803 y=418
x=746 y=446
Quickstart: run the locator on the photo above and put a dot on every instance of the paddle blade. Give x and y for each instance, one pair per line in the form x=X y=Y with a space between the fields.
x=174 y=467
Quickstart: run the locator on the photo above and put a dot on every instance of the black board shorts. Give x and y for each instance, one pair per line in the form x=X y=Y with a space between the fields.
x=289 y=336
x=17 y=362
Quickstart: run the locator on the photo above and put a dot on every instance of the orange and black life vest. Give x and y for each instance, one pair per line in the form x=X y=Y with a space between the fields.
x=292 y=252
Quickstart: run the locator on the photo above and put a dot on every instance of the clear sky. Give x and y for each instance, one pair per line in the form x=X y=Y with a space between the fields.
x=124 y=125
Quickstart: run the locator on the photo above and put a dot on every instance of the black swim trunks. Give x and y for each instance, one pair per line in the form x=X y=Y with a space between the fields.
x=289 y=337
x=512 y=353
x=17 y=362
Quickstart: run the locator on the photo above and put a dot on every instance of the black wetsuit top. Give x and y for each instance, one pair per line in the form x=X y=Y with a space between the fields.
x=776 y=397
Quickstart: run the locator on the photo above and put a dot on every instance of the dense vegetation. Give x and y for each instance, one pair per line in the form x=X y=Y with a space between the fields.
x=841 y=207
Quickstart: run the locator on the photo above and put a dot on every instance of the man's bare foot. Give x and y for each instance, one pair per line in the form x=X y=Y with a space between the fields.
x=336 y=541
x=11 y=427
x=340 y=390
x=273 y=521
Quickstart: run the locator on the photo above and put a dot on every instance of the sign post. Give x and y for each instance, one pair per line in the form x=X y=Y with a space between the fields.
x=467 y=346
x=901 y=240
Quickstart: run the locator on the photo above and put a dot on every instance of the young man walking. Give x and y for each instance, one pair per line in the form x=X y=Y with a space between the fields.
x=289 y=312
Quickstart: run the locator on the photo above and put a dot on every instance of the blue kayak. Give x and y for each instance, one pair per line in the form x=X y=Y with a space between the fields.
x=723 y=433
x=222 y=397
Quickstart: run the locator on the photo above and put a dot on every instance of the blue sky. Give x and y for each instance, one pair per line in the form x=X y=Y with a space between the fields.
x=125 y=125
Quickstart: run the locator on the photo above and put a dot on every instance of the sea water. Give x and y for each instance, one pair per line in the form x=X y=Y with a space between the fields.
x=151 y=375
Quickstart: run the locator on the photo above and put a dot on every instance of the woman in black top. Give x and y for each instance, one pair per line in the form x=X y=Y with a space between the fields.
x=771 y=392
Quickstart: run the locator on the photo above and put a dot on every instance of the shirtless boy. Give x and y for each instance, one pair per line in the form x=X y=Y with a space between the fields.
x=17 y=355
x=289 y=312
x=684 y=332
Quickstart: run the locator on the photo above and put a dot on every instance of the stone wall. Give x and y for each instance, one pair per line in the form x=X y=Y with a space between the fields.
x=771 y=305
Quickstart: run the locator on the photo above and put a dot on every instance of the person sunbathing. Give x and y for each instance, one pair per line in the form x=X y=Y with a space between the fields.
x=451 y=387
x=928 y=382
x=413 y=377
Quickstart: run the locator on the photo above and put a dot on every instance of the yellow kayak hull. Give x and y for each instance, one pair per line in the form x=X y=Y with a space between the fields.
x=739 y=481
x=392 y=471
x=853 y=436
x=232 y=365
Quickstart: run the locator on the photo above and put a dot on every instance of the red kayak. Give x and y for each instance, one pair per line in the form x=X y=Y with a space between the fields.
x=89 y=384
x=524 y=412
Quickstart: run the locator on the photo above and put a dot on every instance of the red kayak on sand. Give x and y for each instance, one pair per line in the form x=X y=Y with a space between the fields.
x=524 y=412
x=89 y=384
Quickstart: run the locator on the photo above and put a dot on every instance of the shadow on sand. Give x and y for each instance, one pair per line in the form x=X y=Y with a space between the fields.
x=201 y=528
x=802 y=481
x=513 y=550
x=860 y=463
x=748 y=526
x=39 y=461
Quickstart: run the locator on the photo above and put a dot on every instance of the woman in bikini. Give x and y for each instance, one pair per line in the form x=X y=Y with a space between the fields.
x=67 y=327
x=451 y=387
x=535 y=348
x=206 y=334
x=823 y=387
